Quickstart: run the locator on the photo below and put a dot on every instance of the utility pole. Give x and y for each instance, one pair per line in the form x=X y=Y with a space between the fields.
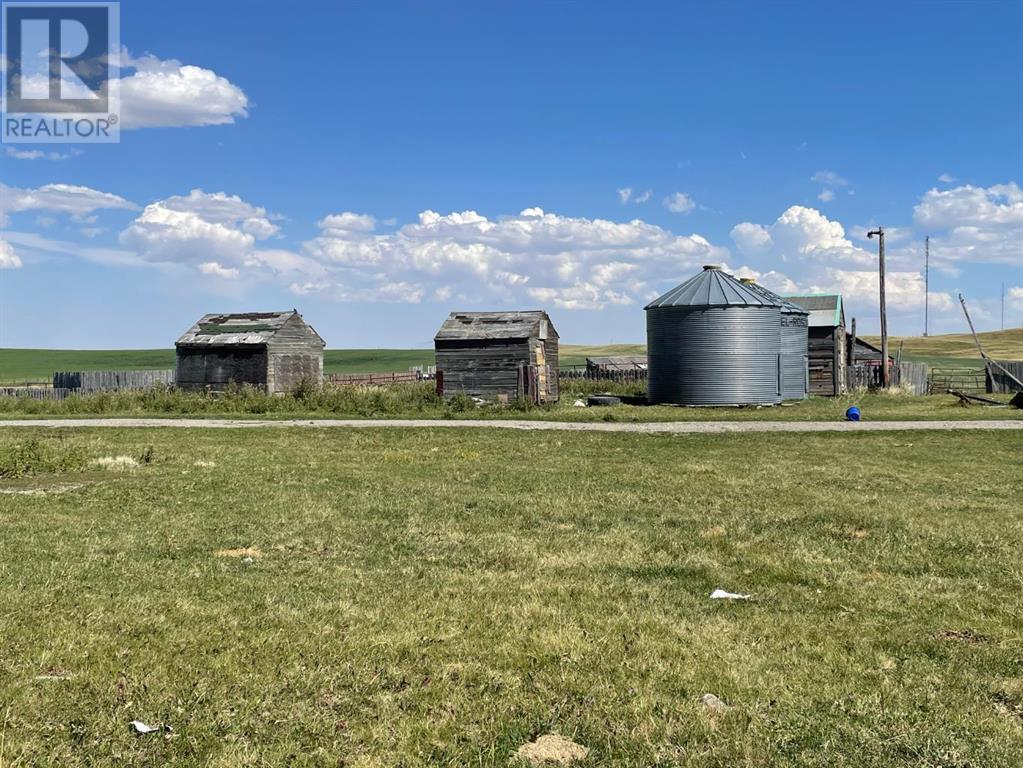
x=885 y=375
x=1003 y=306
x=927 y=282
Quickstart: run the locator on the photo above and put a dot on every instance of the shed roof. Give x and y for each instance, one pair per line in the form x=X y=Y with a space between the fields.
x=825 y=309
x=864 y=349
x=496 y=325
x=713 y=288
x=238 y=328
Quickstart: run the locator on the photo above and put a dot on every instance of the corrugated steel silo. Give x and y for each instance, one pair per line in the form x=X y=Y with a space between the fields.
x=794 y=372
x=714 y=341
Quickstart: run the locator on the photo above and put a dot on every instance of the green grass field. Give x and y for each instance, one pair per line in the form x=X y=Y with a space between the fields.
x=37 y=365
x=425 y=598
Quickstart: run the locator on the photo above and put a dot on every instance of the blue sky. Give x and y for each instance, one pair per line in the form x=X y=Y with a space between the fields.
x=378 y=165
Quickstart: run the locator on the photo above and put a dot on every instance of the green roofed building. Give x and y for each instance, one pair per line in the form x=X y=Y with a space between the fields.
x=273 y=351
x=826 y=344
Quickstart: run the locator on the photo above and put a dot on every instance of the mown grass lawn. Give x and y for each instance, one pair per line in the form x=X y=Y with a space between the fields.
x=429 y=597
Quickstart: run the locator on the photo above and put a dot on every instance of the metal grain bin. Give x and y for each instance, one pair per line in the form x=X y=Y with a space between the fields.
x=794 y=372
x=714 y=341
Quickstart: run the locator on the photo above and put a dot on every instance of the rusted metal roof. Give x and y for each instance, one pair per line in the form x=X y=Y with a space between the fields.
x=237 y=328
x=713 y=288
x=462 y=326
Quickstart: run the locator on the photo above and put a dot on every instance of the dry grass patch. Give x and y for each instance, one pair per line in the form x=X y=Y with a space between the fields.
x=551 y=749
x=115 y=463
x=252 y=552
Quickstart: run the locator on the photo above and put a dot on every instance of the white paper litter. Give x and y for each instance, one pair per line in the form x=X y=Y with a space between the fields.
x=578 y=404
x=720 y=594
x=142 y=728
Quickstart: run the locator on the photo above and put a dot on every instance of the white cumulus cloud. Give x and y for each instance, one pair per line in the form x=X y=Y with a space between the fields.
x=751 y=238
x=166 y=93
x=569 y=262
x=679 y=202
x=217 y=270
x=973 y=224
x=214 y=233
x=77 y=201
x=829 y=179
x=8 y=258
x=804 y=251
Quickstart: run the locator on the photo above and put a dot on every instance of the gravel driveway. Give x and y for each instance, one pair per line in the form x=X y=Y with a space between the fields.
x=673 y=427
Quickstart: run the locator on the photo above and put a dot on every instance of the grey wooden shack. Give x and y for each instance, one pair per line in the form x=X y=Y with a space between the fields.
x=273 y=351
x=826 y=342
x=497 y=355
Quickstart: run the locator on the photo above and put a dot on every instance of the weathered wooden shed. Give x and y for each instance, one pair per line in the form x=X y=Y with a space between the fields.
x=270 y=350
x=826 y=342
x=498 y=354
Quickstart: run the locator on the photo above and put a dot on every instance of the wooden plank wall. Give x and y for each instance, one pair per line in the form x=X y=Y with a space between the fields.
x=482 y=367
x=218 y=367
x=820 y=350
x=999 y=382
x=913 y=377
x=296 y=355
x=552 y=354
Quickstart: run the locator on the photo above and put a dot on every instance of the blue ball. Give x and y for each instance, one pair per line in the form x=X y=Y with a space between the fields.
x=852 y=414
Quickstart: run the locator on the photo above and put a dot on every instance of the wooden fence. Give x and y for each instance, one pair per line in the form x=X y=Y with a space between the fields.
x=863 y=376
x=107 y=381
x=626 y=375
x=971 y=380
x=997 y=380
x=913 y=377
x=372 y=379
x=36 y=393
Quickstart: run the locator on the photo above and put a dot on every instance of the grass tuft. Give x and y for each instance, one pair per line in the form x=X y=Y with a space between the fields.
x=35 y=457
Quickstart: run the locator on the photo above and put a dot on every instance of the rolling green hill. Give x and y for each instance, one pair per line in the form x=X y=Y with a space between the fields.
x=37 y=365
x=957 y=348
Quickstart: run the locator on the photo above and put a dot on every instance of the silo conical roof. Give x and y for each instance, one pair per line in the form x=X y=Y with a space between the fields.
x=787 y=307
x=714 y=288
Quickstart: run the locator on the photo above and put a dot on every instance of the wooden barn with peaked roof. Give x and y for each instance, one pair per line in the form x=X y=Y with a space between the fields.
x=498 y=355
x=273 y=351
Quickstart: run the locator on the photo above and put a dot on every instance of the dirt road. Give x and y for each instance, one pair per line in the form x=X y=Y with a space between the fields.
x=674 y=427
